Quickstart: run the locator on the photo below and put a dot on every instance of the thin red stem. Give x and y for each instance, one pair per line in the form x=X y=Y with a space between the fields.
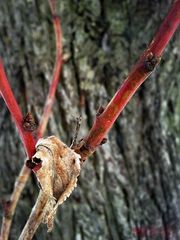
x=56 y=72
x=8 y=96
x=25 y=172
x=137 y=76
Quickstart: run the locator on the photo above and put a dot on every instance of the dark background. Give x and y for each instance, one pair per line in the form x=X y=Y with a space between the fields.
x=130 y=188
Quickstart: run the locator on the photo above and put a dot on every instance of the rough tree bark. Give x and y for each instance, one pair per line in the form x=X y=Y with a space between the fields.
x=129 y=189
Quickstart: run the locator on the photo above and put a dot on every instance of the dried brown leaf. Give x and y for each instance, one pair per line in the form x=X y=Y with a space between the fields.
x=58 y=175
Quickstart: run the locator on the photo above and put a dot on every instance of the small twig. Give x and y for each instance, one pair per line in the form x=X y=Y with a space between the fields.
x=35 y=218
x=143 y=68
x=9 y=213
x=56 y=72
x=25 y=172
x=78 y=125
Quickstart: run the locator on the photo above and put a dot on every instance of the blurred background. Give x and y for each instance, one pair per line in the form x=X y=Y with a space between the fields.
x=130 y=188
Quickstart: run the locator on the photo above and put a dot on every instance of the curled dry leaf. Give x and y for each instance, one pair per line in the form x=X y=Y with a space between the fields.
x=60 y=167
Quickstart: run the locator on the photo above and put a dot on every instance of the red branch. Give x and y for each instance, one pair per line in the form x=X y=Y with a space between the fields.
x=8 y=96
x=56 y=72
x=143 y=68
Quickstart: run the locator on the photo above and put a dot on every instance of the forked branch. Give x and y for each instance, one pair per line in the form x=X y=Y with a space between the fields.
x=29 y=142
x=144 y=67
x=106 y=118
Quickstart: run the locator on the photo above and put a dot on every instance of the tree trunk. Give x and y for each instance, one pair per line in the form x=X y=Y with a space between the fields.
x=130 y=188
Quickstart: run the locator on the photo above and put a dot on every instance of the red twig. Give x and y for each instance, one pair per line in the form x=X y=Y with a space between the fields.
x=56 y=72
x=17 y=115
x=8 y=96
x=29 y=146
x=144 y=67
